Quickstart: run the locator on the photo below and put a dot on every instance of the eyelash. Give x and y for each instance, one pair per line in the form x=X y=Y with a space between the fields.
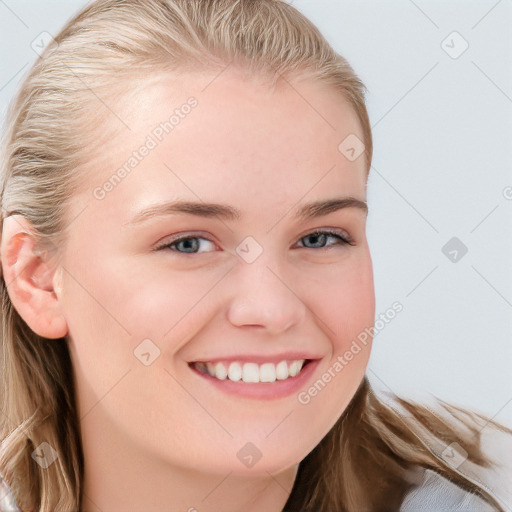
x=343 y=239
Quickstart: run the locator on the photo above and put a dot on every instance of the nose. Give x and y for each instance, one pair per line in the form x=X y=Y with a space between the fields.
x=263 y=299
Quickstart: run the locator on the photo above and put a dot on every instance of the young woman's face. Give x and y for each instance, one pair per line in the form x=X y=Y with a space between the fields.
x=242 y=292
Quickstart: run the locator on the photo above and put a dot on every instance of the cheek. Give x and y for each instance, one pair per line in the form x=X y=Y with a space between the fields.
x=343 y=300
x=344 y=307
x=133 y=298
x=355 y=311
x=167 y=305
x=114 y=310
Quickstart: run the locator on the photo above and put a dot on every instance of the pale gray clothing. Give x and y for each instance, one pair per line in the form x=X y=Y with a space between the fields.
x=7 y=499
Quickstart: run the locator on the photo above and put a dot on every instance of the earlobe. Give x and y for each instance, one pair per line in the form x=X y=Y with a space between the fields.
x=29 y=277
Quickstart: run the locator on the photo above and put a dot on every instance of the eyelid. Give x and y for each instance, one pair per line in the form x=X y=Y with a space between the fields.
x=343 y=234
x=180 y=236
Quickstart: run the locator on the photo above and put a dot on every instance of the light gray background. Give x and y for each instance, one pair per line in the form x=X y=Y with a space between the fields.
x=442 y=163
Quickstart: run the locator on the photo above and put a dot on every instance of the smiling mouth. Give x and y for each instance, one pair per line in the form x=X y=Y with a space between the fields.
x=236 y=371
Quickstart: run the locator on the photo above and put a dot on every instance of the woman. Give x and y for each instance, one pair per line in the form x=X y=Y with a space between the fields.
x=186 y=278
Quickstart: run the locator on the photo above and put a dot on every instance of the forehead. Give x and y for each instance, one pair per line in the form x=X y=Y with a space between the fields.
x=220 y=135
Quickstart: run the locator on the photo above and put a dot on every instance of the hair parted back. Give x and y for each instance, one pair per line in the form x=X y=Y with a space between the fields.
x=51 y=129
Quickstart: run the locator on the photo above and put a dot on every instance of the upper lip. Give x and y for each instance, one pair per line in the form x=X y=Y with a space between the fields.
x=259 y=358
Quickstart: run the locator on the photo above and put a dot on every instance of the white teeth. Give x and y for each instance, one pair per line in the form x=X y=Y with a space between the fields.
x=294 y=368
x=267 y=372
x=252 y=372
x=220 y=371
x=282 y=370
x=234 y=373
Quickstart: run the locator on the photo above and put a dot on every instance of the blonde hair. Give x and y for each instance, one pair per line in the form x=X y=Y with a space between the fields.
x=50 y=132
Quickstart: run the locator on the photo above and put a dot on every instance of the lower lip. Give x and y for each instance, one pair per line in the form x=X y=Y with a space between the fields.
x=263 y=390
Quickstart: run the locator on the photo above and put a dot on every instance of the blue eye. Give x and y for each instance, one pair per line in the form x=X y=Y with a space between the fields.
x=185 y=245
x=191 y=244
x=320 y=237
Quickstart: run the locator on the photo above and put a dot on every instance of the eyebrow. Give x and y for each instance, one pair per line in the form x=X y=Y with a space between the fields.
x=202 y=209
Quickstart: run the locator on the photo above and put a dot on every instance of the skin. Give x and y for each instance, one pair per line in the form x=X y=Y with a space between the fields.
x=159 y=434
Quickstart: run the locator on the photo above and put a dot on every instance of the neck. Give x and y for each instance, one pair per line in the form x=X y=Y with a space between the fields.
x=119 y=476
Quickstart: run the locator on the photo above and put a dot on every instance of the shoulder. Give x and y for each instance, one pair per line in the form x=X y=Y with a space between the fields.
x=437 y=492
x=497 y=479
x=7 y=500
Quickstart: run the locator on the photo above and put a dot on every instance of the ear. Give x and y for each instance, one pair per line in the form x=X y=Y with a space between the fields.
x=32 y=283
